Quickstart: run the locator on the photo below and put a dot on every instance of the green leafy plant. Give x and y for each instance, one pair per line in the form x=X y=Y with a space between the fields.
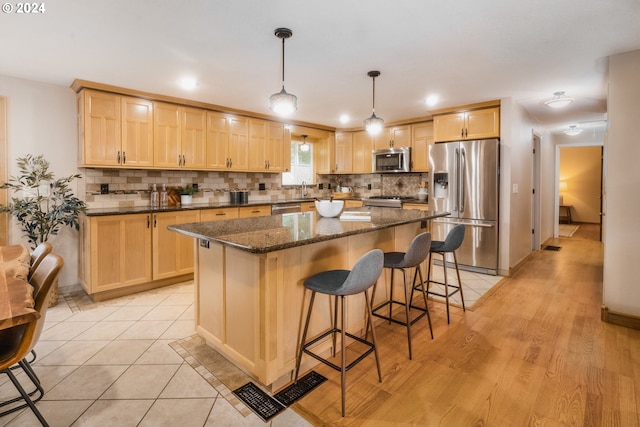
x=46 y=205
x=187 y=190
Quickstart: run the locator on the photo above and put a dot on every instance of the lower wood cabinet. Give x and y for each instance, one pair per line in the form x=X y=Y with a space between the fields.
x=172 y=252
x=253 y=211
x=116 y=251
x=129 y=251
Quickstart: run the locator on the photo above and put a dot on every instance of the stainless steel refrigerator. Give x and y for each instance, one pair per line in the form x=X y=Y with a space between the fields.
x=464 y=180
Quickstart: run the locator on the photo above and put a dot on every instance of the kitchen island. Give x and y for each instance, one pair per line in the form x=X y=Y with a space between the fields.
x=249 y=273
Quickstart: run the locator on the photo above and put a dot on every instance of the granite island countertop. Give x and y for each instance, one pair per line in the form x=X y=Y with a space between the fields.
x=277 y=232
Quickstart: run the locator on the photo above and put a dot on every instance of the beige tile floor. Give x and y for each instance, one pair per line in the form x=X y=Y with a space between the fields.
x=111 y=364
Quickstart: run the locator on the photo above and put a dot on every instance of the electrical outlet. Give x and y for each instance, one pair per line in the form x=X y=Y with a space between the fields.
x=104 y=188
x=320 y=186
x=368 y=186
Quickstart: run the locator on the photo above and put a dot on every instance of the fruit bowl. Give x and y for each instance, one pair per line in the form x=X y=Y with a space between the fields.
x=329 y=208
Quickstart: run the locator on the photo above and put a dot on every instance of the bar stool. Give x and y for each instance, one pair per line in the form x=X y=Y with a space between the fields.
x=415 y=255
x=451 y=243
x=340 y=283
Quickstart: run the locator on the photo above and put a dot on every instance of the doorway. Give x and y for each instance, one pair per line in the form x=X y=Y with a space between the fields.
x=579 y=187
x=535 y=194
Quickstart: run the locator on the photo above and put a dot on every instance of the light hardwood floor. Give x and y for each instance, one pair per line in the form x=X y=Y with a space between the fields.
x=534 y=354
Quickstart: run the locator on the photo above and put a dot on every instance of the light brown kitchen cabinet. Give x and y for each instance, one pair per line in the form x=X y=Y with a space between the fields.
x=276 y=147
x=393 y=137
x=137 y=133
x=179 y=137
x=116 y=251
x=361 y=154
x=218 y=214
x=267 y=143
x=99 y=128
x=238 y=147
x=324 y=155
x=254 y=211
x=352 y=204
x=172 y=252
x=343 y=152
x=115 y=130
x=421 y=138
x=308 y=207
x=468 y=125
x=217 y=140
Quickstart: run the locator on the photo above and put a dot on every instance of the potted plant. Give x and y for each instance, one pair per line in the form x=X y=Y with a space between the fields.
x=41 y=204
x=186 y=194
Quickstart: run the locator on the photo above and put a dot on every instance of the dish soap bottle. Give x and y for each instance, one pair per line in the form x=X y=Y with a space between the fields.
x=164 y=198
x=154 y=196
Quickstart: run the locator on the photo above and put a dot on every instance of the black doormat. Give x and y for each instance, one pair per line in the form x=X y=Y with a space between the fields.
x=552 y=248
x=265 y=406
x=304 y=385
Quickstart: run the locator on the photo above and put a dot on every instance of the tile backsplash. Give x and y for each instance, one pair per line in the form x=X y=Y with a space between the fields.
x=131 y=188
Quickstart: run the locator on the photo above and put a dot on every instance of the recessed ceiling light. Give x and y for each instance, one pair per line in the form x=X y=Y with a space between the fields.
x=344 y=119
x=432 y=100
x=188 y=83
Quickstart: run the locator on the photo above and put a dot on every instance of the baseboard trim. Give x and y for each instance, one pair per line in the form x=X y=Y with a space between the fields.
x=620 y=319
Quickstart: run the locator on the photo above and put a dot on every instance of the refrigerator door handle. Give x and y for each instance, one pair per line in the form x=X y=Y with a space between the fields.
x=461 y=180
x=456 y=165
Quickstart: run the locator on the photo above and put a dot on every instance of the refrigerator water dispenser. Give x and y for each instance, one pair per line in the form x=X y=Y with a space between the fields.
x=441 y=184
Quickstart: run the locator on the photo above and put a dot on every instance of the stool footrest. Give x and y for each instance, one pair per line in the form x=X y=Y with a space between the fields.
x=333 y=365
x=423 y=312
x=456 y=289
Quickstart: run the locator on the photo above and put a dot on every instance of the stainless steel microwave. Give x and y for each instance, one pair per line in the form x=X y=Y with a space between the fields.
x=391 y=160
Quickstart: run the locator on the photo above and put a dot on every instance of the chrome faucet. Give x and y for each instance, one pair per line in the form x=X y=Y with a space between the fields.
x=303 y=189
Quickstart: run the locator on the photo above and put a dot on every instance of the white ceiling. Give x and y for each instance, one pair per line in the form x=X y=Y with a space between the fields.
x=464 y=51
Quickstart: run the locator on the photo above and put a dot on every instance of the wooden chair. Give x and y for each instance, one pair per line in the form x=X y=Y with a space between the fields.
x=17 y=342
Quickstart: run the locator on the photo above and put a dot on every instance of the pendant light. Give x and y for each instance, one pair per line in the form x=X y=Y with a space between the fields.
x=559 y=100
x=304 y=147
x=573 y=130
x=373 y=124
x=283 y=103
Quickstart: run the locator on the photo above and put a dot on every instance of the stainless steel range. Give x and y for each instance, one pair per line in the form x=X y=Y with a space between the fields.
x=387 y=201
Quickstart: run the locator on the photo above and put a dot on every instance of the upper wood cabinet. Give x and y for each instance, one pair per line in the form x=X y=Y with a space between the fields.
x=343 y=152
x=179 y=137
x=361 y=154
x=476 y=124
x=217 y=140
x=393 y=137
x=114 y=130
x=324 y=155
x=238 y=147
x=421 y=138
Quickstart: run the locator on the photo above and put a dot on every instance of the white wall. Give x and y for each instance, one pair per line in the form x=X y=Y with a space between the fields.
x=622 y=180
x=516 y=182
x=41 y=119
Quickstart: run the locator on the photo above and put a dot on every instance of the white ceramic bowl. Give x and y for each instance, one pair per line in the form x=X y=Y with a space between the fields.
x=329 y=208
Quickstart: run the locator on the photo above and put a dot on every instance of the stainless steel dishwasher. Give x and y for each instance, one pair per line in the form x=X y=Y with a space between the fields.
x=283 y=208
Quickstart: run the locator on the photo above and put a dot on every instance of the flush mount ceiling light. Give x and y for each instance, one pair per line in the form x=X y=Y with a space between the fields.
x=283 y=103
x=304 y=147
x=559 y=100
x=573 y=130
x=373 y=124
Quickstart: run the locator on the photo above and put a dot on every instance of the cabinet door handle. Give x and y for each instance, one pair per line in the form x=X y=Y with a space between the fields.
x=155 y=221
x=184 y=160
x=221 y=214
x=124 y=157
x=118 y=157
x=148 y=221
x=462 y=133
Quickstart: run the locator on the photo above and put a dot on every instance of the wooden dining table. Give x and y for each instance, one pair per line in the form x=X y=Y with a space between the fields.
x=16 y=294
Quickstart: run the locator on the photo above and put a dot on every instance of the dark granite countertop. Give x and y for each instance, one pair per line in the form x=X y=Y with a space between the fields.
x=277 y=232
x=195 y=206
